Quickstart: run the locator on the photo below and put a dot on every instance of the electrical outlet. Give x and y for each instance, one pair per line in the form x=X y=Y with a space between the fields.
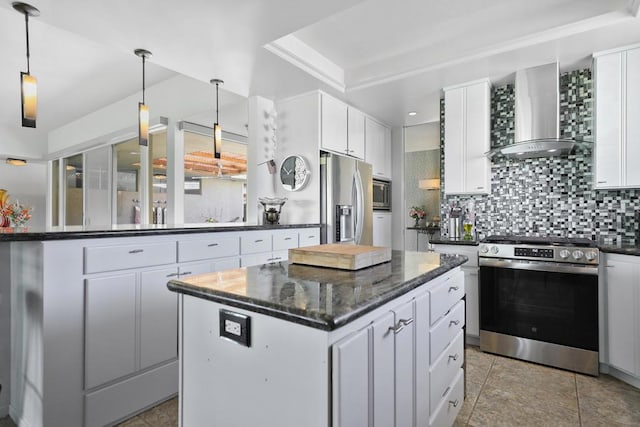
x=232 y=327
x=235 y=327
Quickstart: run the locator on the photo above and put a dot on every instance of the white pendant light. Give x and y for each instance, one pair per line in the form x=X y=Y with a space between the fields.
x=28 y=83
x=217 y=129
x=143 y=109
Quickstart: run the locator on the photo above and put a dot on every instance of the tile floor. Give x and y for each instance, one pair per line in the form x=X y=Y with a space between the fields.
x=503 y=392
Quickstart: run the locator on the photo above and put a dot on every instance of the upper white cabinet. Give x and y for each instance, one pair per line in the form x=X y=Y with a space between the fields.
x=378 y=148
x=382 y=229
x=617 y=130
x=342 y=127
x=467 y=110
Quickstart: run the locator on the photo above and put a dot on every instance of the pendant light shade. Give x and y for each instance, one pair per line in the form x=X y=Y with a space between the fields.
x=217 y=129
x=143 y=109
x=28 y=83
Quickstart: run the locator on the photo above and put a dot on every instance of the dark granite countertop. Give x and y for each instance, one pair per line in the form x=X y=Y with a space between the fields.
x=322 y=298
x=97 y=232
x=621 y=248
x=451 y=241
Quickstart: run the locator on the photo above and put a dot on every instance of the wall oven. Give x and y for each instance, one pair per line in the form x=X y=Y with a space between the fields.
x=381 y=195
x=539 y=300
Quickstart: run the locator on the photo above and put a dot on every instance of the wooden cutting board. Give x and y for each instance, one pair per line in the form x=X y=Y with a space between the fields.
x=342 y=256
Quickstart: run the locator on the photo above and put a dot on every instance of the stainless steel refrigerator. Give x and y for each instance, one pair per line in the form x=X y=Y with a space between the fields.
x=346 y=200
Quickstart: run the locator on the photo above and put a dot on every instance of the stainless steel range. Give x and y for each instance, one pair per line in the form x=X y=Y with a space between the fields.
x=539 y=300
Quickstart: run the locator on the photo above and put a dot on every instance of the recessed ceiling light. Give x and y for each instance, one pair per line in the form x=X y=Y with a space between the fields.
x=520 y=154
x=412 y=113
x=16 y=162
x=553 y=150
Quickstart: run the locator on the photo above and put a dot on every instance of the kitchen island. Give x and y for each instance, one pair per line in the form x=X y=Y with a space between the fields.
x=88 y=328
x=288 y=345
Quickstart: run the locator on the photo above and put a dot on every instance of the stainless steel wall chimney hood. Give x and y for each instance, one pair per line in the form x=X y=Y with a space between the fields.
x=537 y=116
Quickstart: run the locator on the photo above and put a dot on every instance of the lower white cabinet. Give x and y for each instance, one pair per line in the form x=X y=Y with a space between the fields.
x=623 y=300
x=387 y=373
x=471 y=284
x=382 y=229
x=158 y=317
x=110 y=334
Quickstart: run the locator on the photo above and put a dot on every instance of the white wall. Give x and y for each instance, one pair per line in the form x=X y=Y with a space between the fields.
x=28 y=184
x=5 y=327
x=397 y=189
x=179 y=98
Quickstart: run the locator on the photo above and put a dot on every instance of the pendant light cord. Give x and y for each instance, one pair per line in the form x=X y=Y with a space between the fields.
x=26 y=23
x=217 y=120
x=143 y=79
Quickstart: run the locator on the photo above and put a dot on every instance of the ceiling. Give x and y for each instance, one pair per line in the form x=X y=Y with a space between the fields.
x=386 y=58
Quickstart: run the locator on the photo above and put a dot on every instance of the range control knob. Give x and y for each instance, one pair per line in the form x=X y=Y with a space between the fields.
x=494 y=249
x=564 y=254
x=484 y=249
x=577 y=254
x=590 y=256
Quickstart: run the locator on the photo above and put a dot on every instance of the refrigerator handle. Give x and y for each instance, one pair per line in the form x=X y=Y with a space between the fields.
x=358 y=206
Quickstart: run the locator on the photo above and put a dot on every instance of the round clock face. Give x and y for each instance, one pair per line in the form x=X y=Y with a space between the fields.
x=293 y=173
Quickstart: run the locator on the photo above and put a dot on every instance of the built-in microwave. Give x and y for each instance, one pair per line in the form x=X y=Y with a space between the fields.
x=381 y=195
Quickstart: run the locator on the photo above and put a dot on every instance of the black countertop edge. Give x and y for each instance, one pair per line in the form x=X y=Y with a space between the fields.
x=624 y=249
x=303 y=317
x=449 y=241
x=10 y=235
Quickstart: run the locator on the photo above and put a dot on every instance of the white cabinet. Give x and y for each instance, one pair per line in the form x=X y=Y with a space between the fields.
x=467 y=110
x=158 y=317
x=471 y=284
x=355 y=133
x=110 y=334
x=382 y=229
x=341 y=127
x=351 y=380
x=623 y=300
x=617 y=130
x=378 y=148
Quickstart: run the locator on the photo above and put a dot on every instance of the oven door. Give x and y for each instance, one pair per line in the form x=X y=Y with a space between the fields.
x=549 y=302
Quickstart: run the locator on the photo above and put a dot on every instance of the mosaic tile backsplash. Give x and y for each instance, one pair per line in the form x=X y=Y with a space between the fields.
x=548 y=196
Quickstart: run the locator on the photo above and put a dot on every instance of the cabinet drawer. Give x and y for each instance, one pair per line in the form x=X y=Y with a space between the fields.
x=445 y=294
x=110 y=258
x=215 y=247
x=443 y=371
x=309 y=237
x=451 y=404
x=255 y=242
x=445 y=330
x=285 y=240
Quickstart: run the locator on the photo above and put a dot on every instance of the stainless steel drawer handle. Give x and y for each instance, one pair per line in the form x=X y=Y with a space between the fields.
x=312 y=237
x=258 y=241
x=602 y=182
x=212 y=244
x=454 y=357
x=406 y=322
x=185 y=273
x=396 y=328
x=479 y=188
x=453 y=288
x=287 y=238
x=136 y=251
x=172 y=275
x=454 y=322
x=446 y=391
x=610 y=266
x=274 y=259
x=454 y=403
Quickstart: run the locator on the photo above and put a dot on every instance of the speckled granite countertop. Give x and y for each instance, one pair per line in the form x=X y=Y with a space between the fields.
x=322 y=298
x=621 y=248
x=97 y=232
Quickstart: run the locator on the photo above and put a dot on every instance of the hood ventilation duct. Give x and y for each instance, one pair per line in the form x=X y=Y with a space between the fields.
x=537 y=116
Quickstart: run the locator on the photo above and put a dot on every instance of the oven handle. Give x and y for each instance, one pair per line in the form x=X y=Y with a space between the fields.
x=538 y=266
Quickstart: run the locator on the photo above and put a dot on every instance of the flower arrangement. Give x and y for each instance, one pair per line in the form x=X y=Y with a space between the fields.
x=13 y=213
x=417 y=212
